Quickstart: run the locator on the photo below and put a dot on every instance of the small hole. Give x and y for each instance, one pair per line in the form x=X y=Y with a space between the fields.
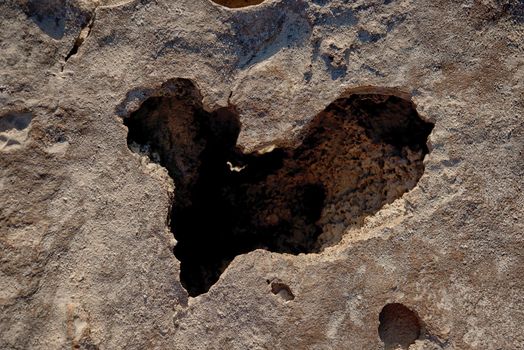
x=282 y=290
x=238 y=3
x=399 y=327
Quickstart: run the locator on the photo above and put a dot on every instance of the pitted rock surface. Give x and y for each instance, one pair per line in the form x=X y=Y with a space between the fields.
x=86 y=235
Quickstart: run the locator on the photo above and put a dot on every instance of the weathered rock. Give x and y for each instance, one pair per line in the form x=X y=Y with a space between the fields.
x=85 y=222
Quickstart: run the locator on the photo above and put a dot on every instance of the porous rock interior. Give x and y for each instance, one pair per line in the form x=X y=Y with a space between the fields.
x=358 y=154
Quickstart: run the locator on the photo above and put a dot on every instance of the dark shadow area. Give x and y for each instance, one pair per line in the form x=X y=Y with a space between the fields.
x=258 y=40
x=48 y=15
x=14 y=129
x=354 y=158
x=15 y=121
x=399 y=327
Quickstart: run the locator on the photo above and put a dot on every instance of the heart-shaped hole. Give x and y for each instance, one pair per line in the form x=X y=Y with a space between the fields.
x=360 y=153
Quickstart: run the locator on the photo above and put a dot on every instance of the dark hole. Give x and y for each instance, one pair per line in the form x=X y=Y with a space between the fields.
x=399 y=327
x=359 y=154
x=282 y=290
x=238 y=3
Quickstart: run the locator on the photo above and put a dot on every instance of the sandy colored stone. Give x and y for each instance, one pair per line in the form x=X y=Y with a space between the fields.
x=86 y=255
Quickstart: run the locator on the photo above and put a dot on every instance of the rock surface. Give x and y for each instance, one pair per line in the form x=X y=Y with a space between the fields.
x=86 y=247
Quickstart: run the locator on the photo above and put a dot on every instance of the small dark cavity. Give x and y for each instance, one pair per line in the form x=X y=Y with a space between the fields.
x=399 y=326
x=238 y=3
x=367 y=37
x=282 y=290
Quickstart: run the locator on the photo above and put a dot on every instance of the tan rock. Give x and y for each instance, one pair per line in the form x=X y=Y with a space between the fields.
x=86 y=214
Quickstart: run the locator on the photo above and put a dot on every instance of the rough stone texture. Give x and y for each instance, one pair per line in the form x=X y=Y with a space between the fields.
x=86 y=252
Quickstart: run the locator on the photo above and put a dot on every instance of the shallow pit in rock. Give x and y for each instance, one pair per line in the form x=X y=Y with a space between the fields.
x=281 y=289
x=238 y=3
x=399 y=327
x=360 y=153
